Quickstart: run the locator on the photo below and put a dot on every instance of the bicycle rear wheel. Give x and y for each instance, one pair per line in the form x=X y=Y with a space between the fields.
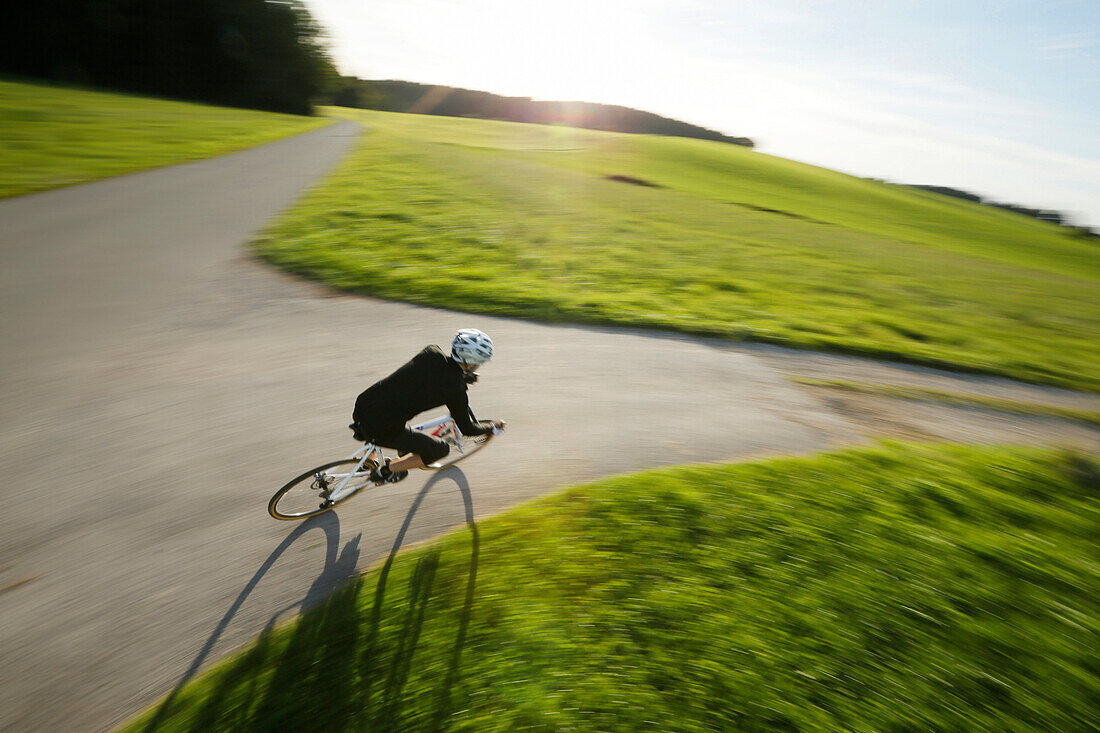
x=306 y=495
x=470 y=444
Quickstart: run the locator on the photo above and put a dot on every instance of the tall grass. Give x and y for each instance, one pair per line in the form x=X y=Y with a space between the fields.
x=525 y=220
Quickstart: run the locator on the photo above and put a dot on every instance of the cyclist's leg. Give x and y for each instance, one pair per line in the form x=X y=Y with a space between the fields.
x=416 y=449
x=407 y=462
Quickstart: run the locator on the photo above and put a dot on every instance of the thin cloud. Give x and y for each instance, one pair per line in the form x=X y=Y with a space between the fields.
x=828 y=117
x=1068 y=45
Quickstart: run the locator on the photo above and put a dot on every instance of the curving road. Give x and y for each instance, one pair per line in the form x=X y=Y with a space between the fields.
x=158 y=385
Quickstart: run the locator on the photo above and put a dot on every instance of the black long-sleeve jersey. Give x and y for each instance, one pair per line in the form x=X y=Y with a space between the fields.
x=428 y=380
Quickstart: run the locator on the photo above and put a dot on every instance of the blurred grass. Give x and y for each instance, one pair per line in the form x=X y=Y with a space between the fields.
x=56 y=136
x=522 y=220
x=894 y=588
x=925 y=394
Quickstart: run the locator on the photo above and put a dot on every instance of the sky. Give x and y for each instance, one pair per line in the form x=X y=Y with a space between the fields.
x=1000 y=98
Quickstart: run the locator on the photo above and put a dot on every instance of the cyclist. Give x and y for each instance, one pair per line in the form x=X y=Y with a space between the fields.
x=430 y=379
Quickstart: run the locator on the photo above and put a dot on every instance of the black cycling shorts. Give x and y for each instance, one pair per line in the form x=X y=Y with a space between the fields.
x=429 y=449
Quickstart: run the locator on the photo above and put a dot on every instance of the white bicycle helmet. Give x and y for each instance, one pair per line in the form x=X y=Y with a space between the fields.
x=471 y=346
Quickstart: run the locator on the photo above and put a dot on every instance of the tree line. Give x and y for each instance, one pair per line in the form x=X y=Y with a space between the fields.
x=406 y=96
x=261 y=54
x=1050 y=215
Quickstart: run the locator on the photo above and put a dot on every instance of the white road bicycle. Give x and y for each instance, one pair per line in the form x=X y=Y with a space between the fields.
x=329 y=485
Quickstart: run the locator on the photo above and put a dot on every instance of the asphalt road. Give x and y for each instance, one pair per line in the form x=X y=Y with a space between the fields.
x=158 y=385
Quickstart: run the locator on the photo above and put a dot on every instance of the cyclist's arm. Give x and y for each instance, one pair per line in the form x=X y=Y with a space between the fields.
x=464 y=417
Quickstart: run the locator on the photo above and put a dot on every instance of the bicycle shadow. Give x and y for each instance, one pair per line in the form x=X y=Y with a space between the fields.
x=336 y=569
x=341 y=665
x=384 y=706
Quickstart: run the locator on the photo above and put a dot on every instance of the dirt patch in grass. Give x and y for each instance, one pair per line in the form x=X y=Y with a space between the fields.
x=635 y=181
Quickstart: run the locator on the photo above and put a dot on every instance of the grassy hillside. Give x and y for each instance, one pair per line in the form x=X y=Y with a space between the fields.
x=895 y=588
x=393 y=95
x=53 y=136
x=527 y=220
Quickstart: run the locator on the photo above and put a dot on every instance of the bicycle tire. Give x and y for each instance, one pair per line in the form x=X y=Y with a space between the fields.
x=293 y=500
x=473 y=443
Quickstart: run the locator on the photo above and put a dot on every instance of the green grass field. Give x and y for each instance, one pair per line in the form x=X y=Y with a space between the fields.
x=897 y=588
x=55 y=136
x=505 y=218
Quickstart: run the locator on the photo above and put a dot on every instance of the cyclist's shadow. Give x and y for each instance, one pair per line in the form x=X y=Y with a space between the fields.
x=327 y=649
x=336 y=570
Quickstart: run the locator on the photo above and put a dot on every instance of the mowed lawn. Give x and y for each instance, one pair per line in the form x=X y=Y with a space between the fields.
x=896 y=588
x=55 y=136
x=528 y=220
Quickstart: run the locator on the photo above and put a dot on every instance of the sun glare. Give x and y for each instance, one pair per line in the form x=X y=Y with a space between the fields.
x=800 y=81
x=570 y=51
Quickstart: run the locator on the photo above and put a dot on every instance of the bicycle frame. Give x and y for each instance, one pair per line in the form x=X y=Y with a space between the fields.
x=443 y=427
x=342 y=489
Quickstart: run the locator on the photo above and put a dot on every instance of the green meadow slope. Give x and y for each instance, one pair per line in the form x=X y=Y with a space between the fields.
x=55 y=136
x=887 y=589
x=527 y=220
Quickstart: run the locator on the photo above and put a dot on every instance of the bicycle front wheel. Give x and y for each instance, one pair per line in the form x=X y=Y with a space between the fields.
x=308 y=494
x=470 y=444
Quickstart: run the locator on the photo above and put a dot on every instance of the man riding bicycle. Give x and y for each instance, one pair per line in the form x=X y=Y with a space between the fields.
x=430 y=379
